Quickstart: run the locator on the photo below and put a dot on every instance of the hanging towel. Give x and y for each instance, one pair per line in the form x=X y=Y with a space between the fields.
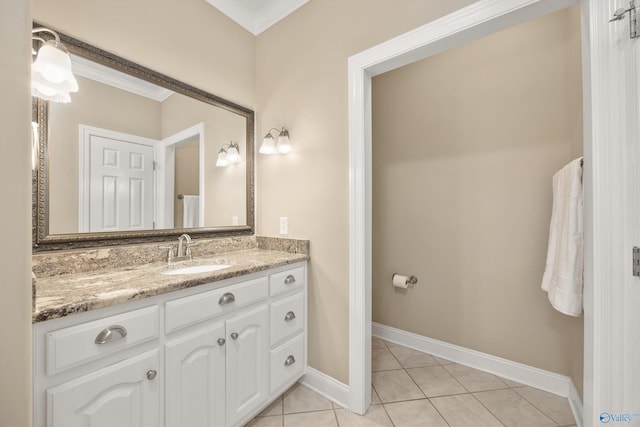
x=191 y=211
x=564 y=267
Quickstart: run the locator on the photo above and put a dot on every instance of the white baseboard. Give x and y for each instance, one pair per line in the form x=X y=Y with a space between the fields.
x=326 y=386
x=538 y=378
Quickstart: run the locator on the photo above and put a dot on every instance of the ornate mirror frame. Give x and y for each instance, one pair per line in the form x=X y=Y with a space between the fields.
x=43 y=241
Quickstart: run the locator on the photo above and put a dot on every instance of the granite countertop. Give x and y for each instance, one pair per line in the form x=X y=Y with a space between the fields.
x=62 y=295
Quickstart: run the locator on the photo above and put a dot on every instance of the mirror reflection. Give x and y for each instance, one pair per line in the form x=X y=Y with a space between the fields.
x=127 y=155
x=136 y=156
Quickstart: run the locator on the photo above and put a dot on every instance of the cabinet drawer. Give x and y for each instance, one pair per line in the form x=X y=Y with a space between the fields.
x=286 y=280
x=72 y=346
x=287 y=362
x=196 y=308
x=287 y=318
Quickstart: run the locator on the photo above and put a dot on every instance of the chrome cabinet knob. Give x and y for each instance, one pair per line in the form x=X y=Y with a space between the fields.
x=112 y=333
x=151 y=374
x=290 y=280
x=234 y=336
x=290 y=361
x=227 y=298
x=221 y=341
x=290 y=316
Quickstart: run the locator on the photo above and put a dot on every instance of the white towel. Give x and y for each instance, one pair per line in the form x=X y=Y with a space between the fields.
x=564 y=268
x=191 y=211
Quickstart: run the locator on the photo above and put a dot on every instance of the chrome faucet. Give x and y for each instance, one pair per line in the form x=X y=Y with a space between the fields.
x=184 y=247
x=184 y=250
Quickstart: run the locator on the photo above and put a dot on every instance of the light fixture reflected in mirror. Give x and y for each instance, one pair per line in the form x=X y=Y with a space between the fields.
x=229 y=155
x=51 y=76
x=269 y=146
x=35 y=138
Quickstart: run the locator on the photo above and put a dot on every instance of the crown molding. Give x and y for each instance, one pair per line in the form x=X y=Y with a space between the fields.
x=255 y=16
x=106 y=75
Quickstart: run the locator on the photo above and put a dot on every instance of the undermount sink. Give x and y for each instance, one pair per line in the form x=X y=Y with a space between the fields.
x=195 y=269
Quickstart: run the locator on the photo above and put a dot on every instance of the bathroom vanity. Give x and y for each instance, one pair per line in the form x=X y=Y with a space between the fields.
x=203 y=349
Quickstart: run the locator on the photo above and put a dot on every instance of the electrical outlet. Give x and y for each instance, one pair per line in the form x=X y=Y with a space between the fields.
x=284 y=225
x=234 y=220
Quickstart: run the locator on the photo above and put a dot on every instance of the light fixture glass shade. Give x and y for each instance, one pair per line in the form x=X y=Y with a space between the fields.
x=268 y=146
x=222 y=159
x=232 y=154
x=51 y=77
x=284 y=145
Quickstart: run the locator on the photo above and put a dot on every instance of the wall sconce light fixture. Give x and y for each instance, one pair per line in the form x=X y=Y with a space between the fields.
x=229 y=155
x=51 y=77
x=269 y=146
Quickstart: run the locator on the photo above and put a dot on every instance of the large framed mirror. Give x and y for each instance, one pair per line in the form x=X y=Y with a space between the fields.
x=132 y=158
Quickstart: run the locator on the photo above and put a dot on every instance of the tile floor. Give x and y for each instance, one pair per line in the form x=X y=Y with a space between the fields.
x=411 y=388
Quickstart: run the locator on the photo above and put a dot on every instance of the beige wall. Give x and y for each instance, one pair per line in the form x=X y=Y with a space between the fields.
x=302 y=84
x=98 y=105
x=15 y=192
x=465 y=145
x=225 y=187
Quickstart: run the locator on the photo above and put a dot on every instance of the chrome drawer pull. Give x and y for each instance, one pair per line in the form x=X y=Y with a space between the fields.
x=112 y=333
x=289 y=280
x=290 y=316
x=234 y=335
x=221 y=341
x=227 y=298
x=290 y=361
x=151 y=375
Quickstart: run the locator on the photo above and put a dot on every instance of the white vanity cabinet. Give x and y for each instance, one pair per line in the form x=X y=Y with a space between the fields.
x=210 y=356
x=124 y=395
x=195 y=383
x=219 y=370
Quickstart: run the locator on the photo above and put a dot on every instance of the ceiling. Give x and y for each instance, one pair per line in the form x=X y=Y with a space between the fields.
x=256 y=15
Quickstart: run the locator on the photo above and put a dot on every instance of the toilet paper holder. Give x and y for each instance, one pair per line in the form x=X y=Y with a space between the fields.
x=411 y=280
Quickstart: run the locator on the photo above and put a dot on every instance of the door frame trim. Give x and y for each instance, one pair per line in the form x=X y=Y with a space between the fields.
x=165 y=156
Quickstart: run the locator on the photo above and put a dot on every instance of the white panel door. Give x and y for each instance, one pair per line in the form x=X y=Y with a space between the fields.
x=196 y=379
x=120 y=395
x=121 y=185
x=247 y=363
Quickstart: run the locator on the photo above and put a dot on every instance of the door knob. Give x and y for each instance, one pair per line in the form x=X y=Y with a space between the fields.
x=221 y=341
x=151 y=374
x=234 y=335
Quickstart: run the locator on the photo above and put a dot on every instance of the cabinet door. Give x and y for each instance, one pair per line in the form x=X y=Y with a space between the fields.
x=125 y=395
x=196 y=379
x=247 y=363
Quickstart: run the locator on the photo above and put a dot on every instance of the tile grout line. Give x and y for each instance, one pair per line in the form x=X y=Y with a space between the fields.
x=517 y=394
x=469 y=392
x=540 y=409
x=335 y=416
x=419 y=388
x=487 y=408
